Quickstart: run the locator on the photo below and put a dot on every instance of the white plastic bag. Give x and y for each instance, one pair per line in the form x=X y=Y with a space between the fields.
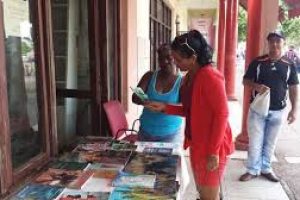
x=261 y=103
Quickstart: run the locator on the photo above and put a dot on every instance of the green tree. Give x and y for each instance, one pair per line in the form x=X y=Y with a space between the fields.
x=242 y=24
x=290 y=27
x=291 y=30
x=25 y=48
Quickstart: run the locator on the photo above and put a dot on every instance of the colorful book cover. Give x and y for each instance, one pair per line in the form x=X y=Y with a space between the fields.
x=67 y=165
x=100 y=172
x=92 y=147
x=142 y=145
x=121 y=146
x=163 y=166
x=94 y=184
x=95 y=166
x=70 y=194
x=109 y=157
x=102 y=178
x=71 y=157
x=106 y=173
x=159 y=151
x=65 y=178
x=139 y=194
x=128 y=180
x=37 y=192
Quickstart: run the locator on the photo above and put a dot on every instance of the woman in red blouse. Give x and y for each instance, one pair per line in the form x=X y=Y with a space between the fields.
x=204 y=104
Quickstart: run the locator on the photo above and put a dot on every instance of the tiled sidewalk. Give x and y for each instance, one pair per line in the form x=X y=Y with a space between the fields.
x=257 y=189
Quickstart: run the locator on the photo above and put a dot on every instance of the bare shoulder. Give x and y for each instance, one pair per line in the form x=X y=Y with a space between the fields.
x=145 y=80
x=147 y=75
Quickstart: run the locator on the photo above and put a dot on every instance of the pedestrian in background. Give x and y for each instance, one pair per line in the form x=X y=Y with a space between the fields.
x=293 y=56
x=278 y=74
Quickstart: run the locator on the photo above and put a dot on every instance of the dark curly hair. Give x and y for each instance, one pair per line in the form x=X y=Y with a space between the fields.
x=193 y=43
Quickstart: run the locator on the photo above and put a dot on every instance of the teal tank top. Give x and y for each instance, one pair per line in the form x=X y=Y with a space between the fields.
x=160 y=124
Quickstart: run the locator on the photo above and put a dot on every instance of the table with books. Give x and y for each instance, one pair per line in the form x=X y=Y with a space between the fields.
x=107 y=169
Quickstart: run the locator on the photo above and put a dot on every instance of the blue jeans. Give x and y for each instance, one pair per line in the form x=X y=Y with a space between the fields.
x=263 y=134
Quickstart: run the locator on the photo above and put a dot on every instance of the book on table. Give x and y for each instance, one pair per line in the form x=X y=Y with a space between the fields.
x=163 y=166
x=37 y=192
x=159 y=151
x=139 y=194
x=107 y=156
x=102 y=178
x=71 y=194
x=64 y=178
x=67 y=165
x=131 y=180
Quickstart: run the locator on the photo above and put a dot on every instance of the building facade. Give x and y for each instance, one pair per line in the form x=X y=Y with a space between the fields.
x=62 y=59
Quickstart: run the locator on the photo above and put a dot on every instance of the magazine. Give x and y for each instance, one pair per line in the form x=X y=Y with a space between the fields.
x=72 y=157
x=122 y=146
x=159 y=151
x=128 y=180
x=70 y=194
x=67 y=165
x=65 y=178
x=163 y=166
x=109 y=157
x=37 y=192
x=102 y=178
x=92 y=147
x=120 y=193
x=95 y=166
x=176 y=148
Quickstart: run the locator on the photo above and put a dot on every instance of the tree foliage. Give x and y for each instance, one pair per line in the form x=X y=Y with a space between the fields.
x=25 y=48
x=290 y=27
x=242 y=24
x=291 y=30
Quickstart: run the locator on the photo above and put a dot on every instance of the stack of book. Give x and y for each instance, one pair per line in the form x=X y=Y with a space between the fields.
x=105 y=169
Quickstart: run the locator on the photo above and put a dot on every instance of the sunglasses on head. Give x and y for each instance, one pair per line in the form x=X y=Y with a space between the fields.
x=188 y=46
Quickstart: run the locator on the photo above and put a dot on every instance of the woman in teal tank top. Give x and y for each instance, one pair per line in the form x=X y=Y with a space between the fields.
x=163 y=86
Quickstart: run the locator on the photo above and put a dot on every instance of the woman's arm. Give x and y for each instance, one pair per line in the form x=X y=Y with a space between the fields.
x=165 y=108
x=174 y=110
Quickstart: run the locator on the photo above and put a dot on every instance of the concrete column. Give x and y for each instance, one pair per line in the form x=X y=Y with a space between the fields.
x=72 y=70
x=262 y=18
x=230 y=48
x=221 y=35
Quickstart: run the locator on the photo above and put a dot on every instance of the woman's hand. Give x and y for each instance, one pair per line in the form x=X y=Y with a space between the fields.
x=212 y=162
x=155 y=106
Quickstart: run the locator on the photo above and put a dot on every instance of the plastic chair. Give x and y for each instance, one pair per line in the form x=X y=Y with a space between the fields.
x=118 y=122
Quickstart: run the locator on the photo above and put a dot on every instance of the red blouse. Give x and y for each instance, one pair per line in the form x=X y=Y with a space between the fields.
x=207 y=119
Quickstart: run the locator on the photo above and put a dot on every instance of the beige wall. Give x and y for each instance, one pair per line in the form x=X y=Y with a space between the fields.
x=269 y=22
x=196 y=6
x=128 y=40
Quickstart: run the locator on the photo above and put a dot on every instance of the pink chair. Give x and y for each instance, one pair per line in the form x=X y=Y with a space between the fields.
x=118 y=122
